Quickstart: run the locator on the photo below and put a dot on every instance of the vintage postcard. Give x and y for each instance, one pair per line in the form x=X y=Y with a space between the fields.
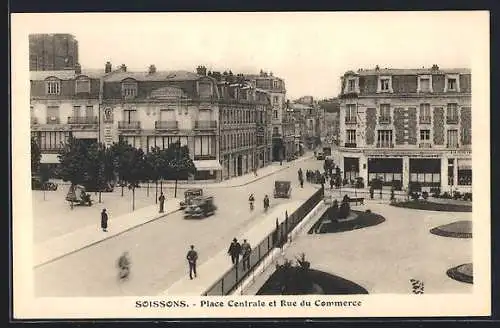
x=299 y=164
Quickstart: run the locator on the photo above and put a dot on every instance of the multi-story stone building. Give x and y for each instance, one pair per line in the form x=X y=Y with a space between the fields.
x=52 y=52
x=410 y=125
x=156 y=108
x=282 y=127
x=244 y=116
x=330 y=127
x=63 y=104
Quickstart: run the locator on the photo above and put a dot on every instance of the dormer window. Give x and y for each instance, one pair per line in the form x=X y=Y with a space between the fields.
x=129 y=89
x=205 y=89
x=452 y=83
x=424 y=83
x=385 y=84
x=53 y=87
x=351 y=85
x=275 y=84
x=82 y=85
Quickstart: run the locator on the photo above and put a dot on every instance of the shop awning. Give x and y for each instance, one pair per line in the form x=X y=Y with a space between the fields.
x=464 y=164
x=49 y=159
x=208 y=165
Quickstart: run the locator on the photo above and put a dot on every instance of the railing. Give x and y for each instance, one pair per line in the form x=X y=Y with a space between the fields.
x=451 y=120
x=452 y=145
x=350 y=145
x=350 y=120
x=129 y=125
x=204 y=157
x=384 y=120
x=53 y=120
x=425 y=120
x=166 y=125
x=385 y=145
x=425 y=145
x=232 y=278
x=205 y=124
x=82 y=120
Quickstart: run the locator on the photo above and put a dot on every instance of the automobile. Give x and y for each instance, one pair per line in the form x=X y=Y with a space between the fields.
x=188 y=195
x=282 y=189
x=78 y=195
x=200 y=207
x=37 y=184
x=320 y=156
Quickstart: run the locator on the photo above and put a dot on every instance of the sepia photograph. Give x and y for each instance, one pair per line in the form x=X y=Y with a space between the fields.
x=299 y=164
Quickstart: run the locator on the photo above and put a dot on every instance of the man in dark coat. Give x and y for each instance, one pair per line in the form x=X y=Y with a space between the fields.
x=192 y=257
x=235 y=251
x=104 y=220
x=246 y=250
x=161 y=199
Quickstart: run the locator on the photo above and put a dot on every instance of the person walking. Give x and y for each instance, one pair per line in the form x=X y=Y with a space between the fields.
x=192 y=257
x=123 y=266
x=266 y=203
x=332 y=182
x=161 y=199
x=246 y=250
x=104 y=220
x=235 y=251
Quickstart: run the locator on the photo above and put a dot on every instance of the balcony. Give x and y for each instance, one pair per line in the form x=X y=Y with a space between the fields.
x=53 y=120
x=425 y=145
x=84 y=120
x=350 y=145
x=167 y=125
x=452 y=120
x=205 y=125
x=425 y=120
x=384 y=120
x=385 y=145
x=452 y=145
x=129 y=125
x=350 y=120
x=204 y=157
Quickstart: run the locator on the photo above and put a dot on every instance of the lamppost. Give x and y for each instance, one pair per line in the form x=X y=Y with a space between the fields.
x=355 y=184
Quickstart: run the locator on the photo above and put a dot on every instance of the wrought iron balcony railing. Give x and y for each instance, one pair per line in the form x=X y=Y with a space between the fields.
x=384 y=120
x=129 y=125
x=452 y=145
x=350 y=145
x=350 y=120
x=451 y=120
x=166 y=125
x=205 y=125
x=425 y=120
x=82 y=120
x=425 y=145
x=385 y=145
x=53 y=120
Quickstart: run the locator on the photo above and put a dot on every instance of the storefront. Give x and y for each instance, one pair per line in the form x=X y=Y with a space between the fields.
x=351 y=168
x=425 y=171
x=207 y=170
x=389 y=170
x=464 y=172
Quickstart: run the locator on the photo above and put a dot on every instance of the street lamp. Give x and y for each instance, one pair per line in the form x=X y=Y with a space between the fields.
x=355 y=185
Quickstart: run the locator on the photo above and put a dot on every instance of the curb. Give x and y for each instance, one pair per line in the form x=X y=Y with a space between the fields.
x=101 y=240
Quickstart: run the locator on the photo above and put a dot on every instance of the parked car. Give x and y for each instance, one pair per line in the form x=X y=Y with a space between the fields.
x=36 y=184
x=189 y=195
x=200 y=207
x=282 y=189
x=78 y=195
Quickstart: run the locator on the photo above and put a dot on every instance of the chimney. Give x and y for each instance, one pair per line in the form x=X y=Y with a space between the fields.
x=377 y=68
x=435 y=67
x=123 y=68
x=201 y=70
x=78 y=69
x=152 y=69
x=108 y=67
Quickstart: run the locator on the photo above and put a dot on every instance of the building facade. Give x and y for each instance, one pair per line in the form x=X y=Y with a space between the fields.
x=407 y=125
x=52 y=52
x=330 y=128
x=156 y=108
x=63 y=104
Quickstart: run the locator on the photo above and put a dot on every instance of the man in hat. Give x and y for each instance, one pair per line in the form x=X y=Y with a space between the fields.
x=162 y=202
x=235 y=251
x=192 y=257
x=246 y=250
x=104 y=220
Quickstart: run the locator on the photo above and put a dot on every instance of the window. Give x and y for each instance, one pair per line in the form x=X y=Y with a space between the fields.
x=275 y=84
x=275 y=112
x=134 y=141
x=425 y=113
x=351 y=113
x=385 y=113
x=76 y=111
x=52 y=115
x=452 y=113
x=89 y=111
x=452 y=84
x=425 y=84
x=205 y=90
x=129 y=116
x=452 y=139
x=351 y=85
x=82 y=86
x=53 y=87
x=384 y=138
x=384 y=84
x=204 y=147
x=53 y=140
x=129 y=89
x=276 y=99
x=275 y=130
x=425 y=135
x=351 y=136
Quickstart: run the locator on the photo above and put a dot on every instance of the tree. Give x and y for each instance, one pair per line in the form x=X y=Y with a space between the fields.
x=119 y=152
x=100 y=167
x=36 y=156
x=179 y=163
x=74 y=161
x=131 y=169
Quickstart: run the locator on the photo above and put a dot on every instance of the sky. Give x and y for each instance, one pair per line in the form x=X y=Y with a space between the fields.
x=310 y=51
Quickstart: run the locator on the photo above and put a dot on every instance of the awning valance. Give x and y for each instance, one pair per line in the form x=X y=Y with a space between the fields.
x=464 y=164
x=207 y=165
x=49 y=159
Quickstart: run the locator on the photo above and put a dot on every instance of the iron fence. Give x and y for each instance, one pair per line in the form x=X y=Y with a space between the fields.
x=276 y=239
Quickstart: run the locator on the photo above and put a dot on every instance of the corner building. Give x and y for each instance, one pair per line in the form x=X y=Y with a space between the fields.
x=407 y=125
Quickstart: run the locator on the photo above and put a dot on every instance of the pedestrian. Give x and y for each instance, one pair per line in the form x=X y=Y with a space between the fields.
x=192 y=257
x=331 y=183
x=104 y=220
x=246 y=250
x=235 y=251
x=161 y=199
x=301 y=183
x=124 y=266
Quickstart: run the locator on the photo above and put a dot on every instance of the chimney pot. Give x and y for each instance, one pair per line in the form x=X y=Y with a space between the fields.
x=123 y=68
x=108 y=67
x=152 y=69
x=78 y=68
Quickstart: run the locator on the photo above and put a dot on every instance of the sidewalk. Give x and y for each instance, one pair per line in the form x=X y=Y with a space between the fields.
x=212 y=270
x=58 y=247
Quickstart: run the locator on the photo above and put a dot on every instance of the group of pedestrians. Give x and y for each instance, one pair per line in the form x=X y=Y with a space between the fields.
x=236 y=250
